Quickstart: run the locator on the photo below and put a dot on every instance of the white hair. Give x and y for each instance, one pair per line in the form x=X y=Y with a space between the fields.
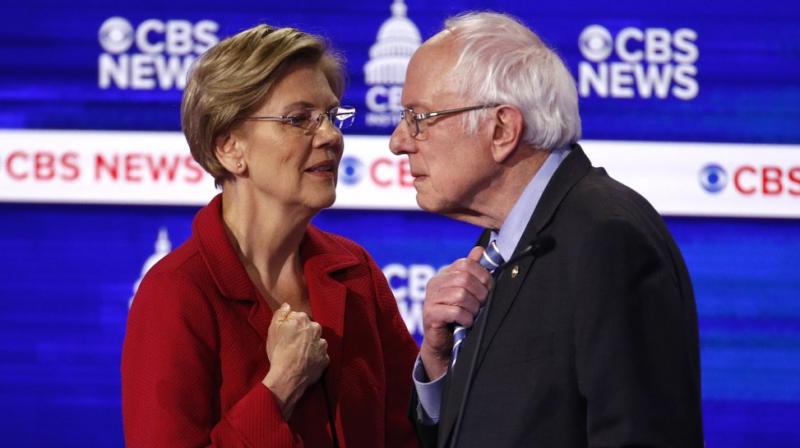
x=502 y=61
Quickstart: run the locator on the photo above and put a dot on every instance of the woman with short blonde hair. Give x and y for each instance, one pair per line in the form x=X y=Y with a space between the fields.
x=262 y=330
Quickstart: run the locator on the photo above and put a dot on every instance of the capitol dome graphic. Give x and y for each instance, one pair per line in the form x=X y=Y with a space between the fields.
x=162 y=247
x=396 y=42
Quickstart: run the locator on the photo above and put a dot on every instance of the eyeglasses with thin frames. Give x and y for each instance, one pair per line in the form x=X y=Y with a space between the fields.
x=412 y=118
x=340 y=117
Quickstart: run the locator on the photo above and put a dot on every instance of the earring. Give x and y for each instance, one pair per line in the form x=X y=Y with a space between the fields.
x=239 y=165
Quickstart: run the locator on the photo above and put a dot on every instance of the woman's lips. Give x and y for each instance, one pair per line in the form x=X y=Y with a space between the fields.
x=325 y=168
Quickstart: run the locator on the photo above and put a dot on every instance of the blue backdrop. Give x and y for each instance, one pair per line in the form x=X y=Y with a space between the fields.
x=68 y=271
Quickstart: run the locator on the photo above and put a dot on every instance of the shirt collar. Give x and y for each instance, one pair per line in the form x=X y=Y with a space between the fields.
x=510 y=232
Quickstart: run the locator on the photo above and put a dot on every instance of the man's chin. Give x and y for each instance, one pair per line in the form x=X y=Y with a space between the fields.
x=430 y=204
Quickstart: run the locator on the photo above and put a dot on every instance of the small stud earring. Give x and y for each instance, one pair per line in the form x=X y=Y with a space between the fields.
x=239 y=165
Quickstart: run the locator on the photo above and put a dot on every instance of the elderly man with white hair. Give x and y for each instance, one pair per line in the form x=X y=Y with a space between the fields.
x=573 y=321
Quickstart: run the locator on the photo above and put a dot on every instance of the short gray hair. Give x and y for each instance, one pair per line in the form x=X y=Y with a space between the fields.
x=503 y=61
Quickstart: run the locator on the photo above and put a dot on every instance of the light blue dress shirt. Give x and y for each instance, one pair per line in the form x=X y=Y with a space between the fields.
x=507 y=238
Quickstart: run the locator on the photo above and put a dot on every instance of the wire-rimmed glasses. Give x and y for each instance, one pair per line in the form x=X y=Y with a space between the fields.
x=412 y=118
x=341 y=117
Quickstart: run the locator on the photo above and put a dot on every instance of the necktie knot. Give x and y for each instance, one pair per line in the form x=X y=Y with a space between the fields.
x=491 y=258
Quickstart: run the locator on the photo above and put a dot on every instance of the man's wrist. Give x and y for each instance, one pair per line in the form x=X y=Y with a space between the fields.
x=434 y=363
x=429 y=394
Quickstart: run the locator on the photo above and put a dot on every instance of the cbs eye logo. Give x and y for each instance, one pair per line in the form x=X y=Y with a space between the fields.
x=351 y=170
x=116 y=35
x=595 y=43
x=713 y=178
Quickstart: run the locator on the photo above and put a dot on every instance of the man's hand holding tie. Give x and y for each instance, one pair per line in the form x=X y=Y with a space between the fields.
x=453 y=297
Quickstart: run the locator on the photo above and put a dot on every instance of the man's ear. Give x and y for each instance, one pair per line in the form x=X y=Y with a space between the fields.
x=507 y=133
x=229 y=154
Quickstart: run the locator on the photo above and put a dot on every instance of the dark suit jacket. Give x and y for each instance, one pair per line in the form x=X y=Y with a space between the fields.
x=591 y=344
x=194 y=353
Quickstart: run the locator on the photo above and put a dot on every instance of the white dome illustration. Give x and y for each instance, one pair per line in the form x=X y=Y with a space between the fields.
x=162 y=247
x=396 y=42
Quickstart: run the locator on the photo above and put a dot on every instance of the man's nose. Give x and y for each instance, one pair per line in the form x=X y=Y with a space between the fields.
x=401 y=141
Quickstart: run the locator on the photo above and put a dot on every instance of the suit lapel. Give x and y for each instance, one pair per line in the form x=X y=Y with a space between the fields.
x=324 y=258
x=456 y=381
x=227 y=270
x=506 y=291
x=328 y=305
x=574 y=167
x=571 y=170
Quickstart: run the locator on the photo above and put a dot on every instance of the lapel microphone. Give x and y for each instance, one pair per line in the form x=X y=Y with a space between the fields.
x=539 y=246
x=536 y=248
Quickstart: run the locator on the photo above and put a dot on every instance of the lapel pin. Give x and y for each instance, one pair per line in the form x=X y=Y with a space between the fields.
x=515 y=271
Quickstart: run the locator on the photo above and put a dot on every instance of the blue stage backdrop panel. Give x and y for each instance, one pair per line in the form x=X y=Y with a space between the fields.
x=69 y=272
x=677 y=71
x=682 y=71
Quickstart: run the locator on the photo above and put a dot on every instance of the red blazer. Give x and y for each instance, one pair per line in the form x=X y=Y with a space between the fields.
x=194 y=352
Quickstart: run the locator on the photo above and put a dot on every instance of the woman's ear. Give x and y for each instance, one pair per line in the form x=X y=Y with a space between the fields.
x=229 y=154
x=507 y=133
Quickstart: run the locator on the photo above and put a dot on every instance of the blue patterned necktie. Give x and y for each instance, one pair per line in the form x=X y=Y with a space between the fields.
x=491 y=260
